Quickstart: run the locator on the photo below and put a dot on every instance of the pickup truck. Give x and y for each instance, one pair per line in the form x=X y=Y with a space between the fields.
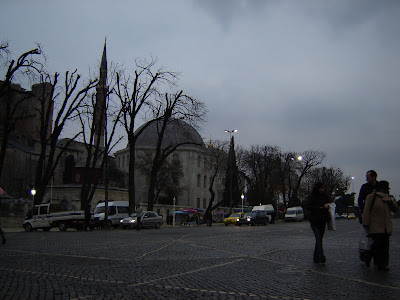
x=47 y=216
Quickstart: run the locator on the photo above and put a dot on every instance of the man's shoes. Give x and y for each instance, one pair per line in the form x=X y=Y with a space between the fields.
x=320 y=261
x=383 y=268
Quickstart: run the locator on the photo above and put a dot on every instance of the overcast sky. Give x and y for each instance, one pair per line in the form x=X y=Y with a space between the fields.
x=310 y=74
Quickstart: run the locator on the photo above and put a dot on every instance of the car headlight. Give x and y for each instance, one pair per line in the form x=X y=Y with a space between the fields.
x=248 y=219
x=237 y=220
x=132 y=221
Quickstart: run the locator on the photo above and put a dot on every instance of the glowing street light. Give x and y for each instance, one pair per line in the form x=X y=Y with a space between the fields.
x=33 y=193
x=230 y=132
x=242 y=201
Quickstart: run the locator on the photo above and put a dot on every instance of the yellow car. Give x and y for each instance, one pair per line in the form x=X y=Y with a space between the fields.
x=351 y=216
x=233 y=218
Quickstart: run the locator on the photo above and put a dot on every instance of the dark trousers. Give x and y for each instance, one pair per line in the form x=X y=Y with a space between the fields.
x=380 y=249
x=319 y=231
x=3 y=238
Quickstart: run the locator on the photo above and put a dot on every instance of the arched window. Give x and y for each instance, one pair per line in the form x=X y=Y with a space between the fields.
x=198 y=161
x=205 y=181
x=198 y=180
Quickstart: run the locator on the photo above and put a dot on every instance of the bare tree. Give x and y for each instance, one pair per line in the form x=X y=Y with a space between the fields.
x=217 y=165
x=259 y=167
x=170 y=110
x=333 y=178
x=28 y=66
x=305 y=162
x=136 y=95
x=287 y=175
x=66 y=105
x=168 y=181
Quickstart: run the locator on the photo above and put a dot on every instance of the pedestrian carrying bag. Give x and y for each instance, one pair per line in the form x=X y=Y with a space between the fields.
x=364 y=246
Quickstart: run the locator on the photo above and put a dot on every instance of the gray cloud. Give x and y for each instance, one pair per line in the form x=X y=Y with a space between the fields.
x=301 y=75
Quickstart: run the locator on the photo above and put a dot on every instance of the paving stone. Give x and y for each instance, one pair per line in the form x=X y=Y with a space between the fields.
x=199 y=262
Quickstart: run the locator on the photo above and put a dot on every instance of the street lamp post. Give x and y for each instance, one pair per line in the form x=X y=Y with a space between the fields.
x=352 y=181
x=230 y=170
x=33 y=193
x=174 y=214
x=242 y=201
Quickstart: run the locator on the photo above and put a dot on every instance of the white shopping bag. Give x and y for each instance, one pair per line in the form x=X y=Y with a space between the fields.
x=364 y=247
x=365 y=242
x=332 y=221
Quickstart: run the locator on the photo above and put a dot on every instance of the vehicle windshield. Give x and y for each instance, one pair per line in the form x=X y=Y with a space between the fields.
x=99 y=210
x=234 y=216
x=290 y=212
x=133 y=215
x=250 y=214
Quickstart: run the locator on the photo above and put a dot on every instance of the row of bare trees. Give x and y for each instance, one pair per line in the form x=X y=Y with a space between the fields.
x=273 y=175
x=148 y=95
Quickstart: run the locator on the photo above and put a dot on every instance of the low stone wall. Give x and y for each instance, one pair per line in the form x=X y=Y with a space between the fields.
x=12 y=221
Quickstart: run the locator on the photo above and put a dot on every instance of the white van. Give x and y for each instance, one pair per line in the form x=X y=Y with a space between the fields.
x=294 y=214
x=117 y=210
x=268 y=210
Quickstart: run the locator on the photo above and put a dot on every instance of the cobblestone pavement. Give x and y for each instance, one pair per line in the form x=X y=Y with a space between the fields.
x=198 y=262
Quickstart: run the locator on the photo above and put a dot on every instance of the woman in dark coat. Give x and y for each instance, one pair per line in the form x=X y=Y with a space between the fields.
x=317 y=205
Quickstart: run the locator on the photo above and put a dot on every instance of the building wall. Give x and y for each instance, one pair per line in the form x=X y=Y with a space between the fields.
x=195 y=181
x=71 y=193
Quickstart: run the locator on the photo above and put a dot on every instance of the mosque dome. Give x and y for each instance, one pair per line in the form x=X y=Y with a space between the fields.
x=177 y=132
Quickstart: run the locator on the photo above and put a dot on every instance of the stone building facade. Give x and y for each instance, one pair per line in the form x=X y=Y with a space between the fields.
x=193 y=155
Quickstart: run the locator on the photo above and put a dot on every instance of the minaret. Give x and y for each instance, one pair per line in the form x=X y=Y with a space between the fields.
x=100 y=106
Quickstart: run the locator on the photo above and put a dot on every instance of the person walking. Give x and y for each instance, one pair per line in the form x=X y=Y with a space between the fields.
x=366 y=189
x=139 y=213
x=88 y=216
x=377 y=222
x=3 y=237
x=318 y=208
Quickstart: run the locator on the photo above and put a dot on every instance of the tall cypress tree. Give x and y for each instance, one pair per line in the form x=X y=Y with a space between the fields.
x=231 y=191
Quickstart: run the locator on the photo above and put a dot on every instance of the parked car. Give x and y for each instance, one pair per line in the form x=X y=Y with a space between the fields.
x=253 y=218
x=233 y=218
x=117 y=210
x=149 y=219
x=294 y=214
x=267 y=210
x=351 y=216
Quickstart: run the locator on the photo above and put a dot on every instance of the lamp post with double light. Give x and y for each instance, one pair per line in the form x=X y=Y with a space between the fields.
x=230 y=169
